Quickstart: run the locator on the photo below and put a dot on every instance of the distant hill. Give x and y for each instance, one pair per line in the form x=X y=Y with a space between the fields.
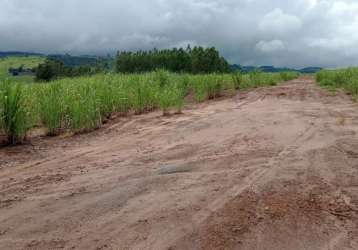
x=272 y=69
x=73 y=61
x=88 y=60
x=68 y=60
x=310 y=70
x=18 y=53
x=104 y=62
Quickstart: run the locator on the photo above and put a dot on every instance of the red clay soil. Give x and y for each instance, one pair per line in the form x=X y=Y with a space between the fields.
x=272 y=168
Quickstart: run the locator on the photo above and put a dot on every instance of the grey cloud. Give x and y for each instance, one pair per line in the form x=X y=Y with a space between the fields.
x=283 y=33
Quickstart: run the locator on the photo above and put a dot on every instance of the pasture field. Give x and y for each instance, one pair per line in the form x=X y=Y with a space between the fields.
x=28 y=62
x=83 y=104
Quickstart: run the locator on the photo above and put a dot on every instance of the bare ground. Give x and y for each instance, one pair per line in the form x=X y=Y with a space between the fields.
x=272 y=168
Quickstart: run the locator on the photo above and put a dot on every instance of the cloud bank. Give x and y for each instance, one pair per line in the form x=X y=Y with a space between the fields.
x=258 y=32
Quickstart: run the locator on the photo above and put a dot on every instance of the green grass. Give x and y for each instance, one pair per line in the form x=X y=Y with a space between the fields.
x=16 y=62
x=51 y=107
x=342 y=78
x=84 y=103
x=237 y=78
x=14 y=113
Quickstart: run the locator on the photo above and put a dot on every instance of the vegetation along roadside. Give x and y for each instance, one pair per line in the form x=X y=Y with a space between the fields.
x=82 y=104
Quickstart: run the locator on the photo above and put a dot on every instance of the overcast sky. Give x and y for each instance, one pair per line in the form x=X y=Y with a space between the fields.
x=295 y=33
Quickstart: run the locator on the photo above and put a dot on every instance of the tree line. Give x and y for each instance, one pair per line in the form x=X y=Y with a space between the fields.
x=190 y=60
x=54 y=68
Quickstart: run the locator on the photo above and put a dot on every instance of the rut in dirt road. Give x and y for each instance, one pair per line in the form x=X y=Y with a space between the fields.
x=271 y=168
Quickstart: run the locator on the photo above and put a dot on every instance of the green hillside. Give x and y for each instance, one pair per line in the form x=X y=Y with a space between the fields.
x=17 y=61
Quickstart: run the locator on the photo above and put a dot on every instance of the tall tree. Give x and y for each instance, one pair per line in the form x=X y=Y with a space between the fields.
x=196 y=60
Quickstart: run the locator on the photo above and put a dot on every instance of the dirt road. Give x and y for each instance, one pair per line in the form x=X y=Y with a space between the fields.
x=272 y=168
